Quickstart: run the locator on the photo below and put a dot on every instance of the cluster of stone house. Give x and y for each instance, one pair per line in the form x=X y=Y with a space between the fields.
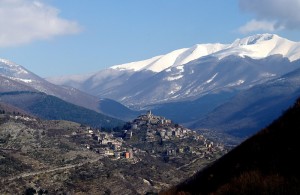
x=205 y=150
x=105 y=144
x=150 y=119
x=158 y=125
x=173 y=132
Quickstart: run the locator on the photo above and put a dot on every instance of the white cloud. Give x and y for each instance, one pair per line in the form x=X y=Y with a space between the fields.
x=24 y=21
x=275 y=14
x=255 y=25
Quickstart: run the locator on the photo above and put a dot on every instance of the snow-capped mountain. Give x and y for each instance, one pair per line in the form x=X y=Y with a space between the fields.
x=256 y=47
x=190 y=73
x=261 y=46
x=174 y=58
x=14 y=77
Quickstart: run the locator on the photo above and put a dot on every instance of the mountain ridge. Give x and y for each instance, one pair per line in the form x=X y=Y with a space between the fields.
x=255 y=107
x=119 y=82
x=12 y=74
x=27 y=91
x=200 y=50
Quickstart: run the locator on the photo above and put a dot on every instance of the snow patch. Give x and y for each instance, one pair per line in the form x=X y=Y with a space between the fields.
x=187 y=92
x=239 y=82
x=180 y=68
x=212 y=78
x=124 y=98
x=136 y=66
x=22 y=71
x=7 y=62
x=12 y=67
x=175 y=96
x=22 y=80
x=267 y=74
x=173 y=78
x=174 y=89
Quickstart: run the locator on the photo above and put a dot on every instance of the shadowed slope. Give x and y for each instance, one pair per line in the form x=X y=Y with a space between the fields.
x=266 y=163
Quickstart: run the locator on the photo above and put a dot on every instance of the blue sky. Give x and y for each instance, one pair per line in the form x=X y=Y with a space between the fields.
x=63 y=37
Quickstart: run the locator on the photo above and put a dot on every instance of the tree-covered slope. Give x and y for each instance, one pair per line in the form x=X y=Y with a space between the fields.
x=53 y=108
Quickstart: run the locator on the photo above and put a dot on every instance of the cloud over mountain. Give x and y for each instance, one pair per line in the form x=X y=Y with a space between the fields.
x=255 y=25
x=24 y=21
x=271 y=15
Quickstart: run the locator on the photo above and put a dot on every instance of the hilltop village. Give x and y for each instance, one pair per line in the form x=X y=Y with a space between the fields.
x=148 y=135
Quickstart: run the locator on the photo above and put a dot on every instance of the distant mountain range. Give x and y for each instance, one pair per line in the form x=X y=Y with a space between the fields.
x=266 y=163
x=14 y=77
x=190 y=73
x=30 y=94
x=232 y=88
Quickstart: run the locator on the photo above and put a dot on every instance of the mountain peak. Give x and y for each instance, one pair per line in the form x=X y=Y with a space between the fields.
x=173 y=58
x=192 y=72
x=261 y=46
x=255 y=39
x=255 y=46
x=8 y=63
x=9 y=68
